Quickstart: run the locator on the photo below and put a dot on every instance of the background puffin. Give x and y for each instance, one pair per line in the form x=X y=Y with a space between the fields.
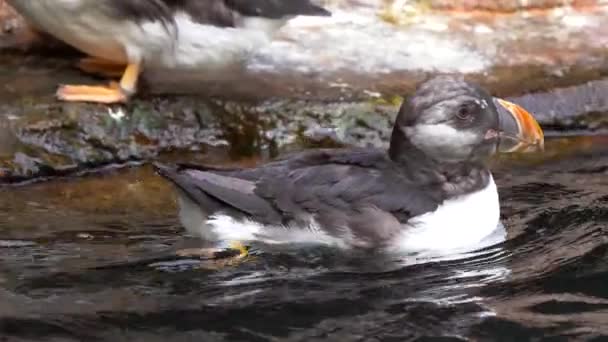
x=123 y=36
x=431 y=190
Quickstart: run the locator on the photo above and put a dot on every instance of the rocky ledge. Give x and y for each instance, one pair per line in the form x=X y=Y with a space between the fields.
x=335 y=80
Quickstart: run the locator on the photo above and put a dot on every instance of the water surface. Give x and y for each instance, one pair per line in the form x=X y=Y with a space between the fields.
x=93 y=258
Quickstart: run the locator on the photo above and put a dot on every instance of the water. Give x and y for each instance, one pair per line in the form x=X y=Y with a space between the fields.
x=93 y=258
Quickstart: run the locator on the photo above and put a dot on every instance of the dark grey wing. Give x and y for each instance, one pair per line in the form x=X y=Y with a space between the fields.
x=357 y=195
x=216 y=192
x=343 y=187
x=276 y=9
x=366 y=205
x=213 y=12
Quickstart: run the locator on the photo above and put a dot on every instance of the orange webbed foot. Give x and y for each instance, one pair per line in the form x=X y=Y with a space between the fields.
x=113 y=93
x=98 y=94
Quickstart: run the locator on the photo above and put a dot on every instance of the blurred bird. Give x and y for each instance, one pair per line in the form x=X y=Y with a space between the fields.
x=124 y=36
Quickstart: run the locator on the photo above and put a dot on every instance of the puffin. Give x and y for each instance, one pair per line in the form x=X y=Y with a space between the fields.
x=431 y=190
x=122 y=37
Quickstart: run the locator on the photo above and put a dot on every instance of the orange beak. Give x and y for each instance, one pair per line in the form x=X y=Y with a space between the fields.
x=518 y=130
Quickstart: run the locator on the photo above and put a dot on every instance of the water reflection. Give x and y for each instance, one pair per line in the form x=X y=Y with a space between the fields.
x=94 y=257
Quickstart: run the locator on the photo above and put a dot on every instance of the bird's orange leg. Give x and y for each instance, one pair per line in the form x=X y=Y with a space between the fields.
x=217 y=258
x=114 y=93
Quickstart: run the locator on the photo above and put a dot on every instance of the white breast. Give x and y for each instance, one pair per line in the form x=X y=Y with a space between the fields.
x=458 y=223
x=206 y=46
x=188 y=45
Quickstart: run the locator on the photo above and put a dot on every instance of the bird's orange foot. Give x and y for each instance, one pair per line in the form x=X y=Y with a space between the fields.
x=98 y=94
x=218 y=258
x=101 y=67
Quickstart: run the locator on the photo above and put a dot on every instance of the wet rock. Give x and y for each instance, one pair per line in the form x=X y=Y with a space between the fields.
x=582 y=107
x=9 y=19
x=388 y=46
x=14 y=32
x=324 y=82
x=360 y=51
x=506 y=5
x=57 y=139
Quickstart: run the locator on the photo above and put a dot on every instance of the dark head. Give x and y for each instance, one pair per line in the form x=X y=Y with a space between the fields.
x=451 y=120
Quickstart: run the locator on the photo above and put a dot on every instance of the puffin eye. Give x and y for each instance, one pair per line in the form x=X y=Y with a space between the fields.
x=464 y=112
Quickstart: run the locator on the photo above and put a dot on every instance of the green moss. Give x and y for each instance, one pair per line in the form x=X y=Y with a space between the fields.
x=386 y=100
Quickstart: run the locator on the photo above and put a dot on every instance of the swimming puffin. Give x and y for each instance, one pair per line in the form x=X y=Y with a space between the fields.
x=124 y=36
x=430 y=191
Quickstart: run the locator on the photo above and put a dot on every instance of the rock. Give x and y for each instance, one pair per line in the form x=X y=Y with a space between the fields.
x=388 y=46
x=53 y=139
x=14 y=32
x=324 y=82
x=506 y=5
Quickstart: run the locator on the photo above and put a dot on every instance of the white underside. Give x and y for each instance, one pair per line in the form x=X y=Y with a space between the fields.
x=226 y=228
x=187 y=45
x=205 y=46
x=460 y=223
x=457 y=223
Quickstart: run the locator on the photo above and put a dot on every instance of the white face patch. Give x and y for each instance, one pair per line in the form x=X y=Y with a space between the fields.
x=442 y=140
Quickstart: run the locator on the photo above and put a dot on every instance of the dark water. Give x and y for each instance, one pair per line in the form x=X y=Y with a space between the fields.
x=93 y=259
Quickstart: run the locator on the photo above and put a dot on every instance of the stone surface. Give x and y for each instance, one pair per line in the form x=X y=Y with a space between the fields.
x=41 y=138
x=323 y=82
x=387 y=46
x=13 y=30
x=362 y=50
x=508 y=5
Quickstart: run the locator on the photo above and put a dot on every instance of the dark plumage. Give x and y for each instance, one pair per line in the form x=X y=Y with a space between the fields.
x=343 y=188
x=275 y=9
x=366 y=197
x=223 y=13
